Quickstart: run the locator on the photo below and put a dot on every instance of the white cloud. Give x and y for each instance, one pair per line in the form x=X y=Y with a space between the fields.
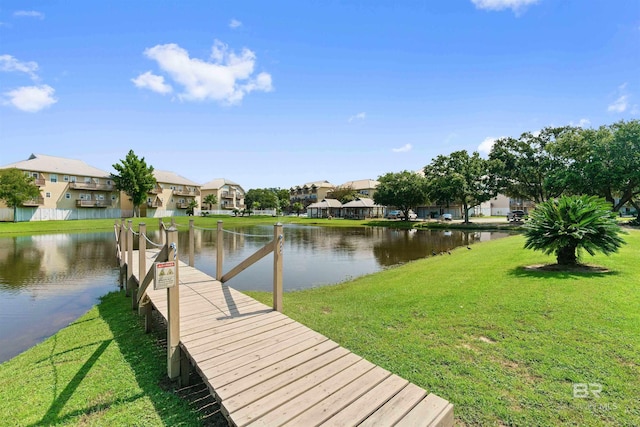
x=487 y=144
x=619 y=105
x=31 y=98
x=234 y=23
x=403 y=149
x=152 y=82
x=29 y=14
x=9 y=63
x=227 y=78
x=359 y=116
x=517 y=6
x=582 y=123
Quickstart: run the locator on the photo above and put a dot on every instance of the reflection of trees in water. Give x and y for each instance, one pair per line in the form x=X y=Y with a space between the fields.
x=46 y=259
x=400 y=246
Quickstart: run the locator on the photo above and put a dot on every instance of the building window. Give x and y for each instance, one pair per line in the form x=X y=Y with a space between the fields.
x=67 y=196
x=113 y=197
x=87 y=180
x=100 y=197
x=53 y=177
x=72 y=179
x=65 y=178
x=47 y=195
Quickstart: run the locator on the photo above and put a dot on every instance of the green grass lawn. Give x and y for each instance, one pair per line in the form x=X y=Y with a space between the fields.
x=101 y=370
x=506 y=345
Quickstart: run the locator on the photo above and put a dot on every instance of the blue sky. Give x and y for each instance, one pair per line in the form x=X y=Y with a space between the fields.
x=279 y=93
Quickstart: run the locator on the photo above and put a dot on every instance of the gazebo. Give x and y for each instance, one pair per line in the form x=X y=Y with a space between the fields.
x=362 y=208
x=327 y=208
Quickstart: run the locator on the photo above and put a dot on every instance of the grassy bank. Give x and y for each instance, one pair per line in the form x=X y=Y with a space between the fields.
x=91 y=225
x=506 y=345
x=102 y=370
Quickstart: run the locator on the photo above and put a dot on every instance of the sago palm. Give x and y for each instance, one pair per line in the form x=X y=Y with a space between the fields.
x=571 y=223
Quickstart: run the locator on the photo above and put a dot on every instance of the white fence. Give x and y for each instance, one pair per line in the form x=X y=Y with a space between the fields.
x=48 y=214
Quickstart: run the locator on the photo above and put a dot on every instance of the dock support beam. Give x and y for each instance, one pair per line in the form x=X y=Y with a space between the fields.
x=219 y=251
x=191 y=244
x=278 y=248
x=173 y=309
x=129 y=282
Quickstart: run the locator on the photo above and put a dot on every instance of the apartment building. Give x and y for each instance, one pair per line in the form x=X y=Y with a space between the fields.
x=69 y=189
x=229 y=194
x=364 y=187
x=173 y=196
x=311 y=192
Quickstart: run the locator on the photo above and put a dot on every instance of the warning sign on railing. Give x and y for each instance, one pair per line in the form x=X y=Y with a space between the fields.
x=165 y=275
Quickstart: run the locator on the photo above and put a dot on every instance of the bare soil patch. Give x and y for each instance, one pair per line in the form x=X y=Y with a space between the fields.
x=579 y=268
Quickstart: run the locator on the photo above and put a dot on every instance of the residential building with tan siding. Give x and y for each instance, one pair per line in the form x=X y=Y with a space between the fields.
x=69 y=189
x=364 y=187
x=171 y=197
x=230 y=195
x=311 y=192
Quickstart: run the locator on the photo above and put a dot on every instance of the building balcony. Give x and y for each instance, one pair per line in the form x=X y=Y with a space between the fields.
x=155 y=204
x=40 y=182
x=184 y=193
x=38 y=201
x=156 y=190
x=182 y=205
x=90 y=186
x=93 y=203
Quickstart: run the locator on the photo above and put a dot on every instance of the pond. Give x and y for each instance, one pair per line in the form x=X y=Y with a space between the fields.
x=48 y=281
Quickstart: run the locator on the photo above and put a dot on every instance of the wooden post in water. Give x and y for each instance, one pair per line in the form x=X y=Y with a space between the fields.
x=219 y=251
x=278 y=248
x=129 y=283
x=173 y=309
x=123 y=247
x=192 y=244
x=161 y=230
x=142 y=261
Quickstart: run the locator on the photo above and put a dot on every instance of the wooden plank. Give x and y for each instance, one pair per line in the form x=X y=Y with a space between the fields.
x=368 y=403
x=219 y=340
x=286 y=377
x=243 y=410
x=397 y=407
x=230 y=384
x=211 y=350
x=339 y=400
x=433 y=411
x=314 y=395
x=214 y=368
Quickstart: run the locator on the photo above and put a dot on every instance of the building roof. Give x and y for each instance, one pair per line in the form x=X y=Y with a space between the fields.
x=58 y=165
x=317 y=184
x=326 y=203
x=219 y=183
x=167 y=177
x=361 y=184
x=361 y=202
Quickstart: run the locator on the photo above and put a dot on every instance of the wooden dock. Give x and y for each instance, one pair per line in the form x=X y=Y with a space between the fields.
x=266 y=369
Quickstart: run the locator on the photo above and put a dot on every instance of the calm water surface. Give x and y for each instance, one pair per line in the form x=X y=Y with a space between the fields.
x=48 y=281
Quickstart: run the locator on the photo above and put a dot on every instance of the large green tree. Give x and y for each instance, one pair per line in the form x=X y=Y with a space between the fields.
x=404 y=190
x=604 y=162
x=460 y=178
x=16 y=187
x=526 y=168
x=262 y=198
x=135 y=178
x=569 y=223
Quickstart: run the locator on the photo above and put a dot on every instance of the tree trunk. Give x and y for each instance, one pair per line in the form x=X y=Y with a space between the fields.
x=465 y=206
x=567 y=255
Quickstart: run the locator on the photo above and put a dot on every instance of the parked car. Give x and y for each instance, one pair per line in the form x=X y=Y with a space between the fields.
x=515 y=216
x=446 y=217
x=395 y=214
